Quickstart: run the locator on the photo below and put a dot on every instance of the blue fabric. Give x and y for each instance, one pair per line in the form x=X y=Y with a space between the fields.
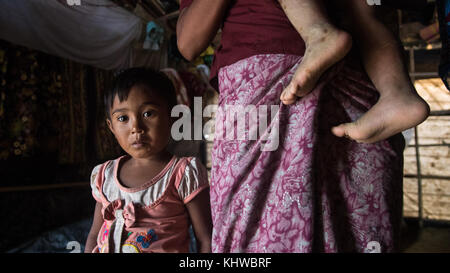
x=70 y=239
x=66 y=239
x=443 y=7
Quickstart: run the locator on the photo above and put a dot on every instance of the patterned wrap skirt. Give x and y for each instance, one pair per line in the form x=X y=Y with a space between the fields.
x=290 y=185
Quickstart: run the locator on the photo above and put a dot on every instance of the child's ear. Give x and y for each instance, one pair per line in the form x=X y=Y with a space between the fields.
x=110 y=125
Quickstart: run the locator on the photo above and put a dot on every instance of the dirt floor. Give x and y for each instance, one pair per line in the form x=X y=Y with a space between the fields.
x=429 y=239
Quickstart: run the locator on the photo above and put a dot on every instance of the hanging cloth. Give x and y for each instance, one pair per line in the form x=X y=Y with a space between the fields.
x=95 y=32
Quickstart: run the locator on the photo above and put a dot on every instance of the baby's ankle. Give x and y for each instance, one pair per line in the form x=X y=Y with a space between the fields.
x=318 y=32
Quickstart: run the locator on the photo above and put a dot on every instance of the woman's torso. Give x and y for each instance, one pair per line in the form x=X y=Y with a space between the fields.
x=253 y=27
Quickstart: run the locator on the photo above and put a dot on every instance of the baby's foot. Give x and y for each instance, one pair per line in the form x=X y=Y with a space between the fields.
x=392 y=114
x=325 y=46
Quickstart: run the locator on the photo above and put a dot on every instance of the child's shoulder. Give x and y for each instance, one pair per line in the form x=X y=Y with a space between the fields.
x=190 y=162
x=191 y=178
x=185 y=158
x=190 y=167
x=106 y=166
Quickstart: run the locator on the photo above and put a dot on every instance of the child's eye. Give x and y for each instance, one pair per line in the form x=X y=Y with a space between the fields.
x=122 y=118
x=148 y=114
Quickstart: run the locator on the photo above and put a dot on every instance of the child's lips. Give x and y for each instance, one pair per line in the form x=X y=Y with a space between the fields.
x=138 y=144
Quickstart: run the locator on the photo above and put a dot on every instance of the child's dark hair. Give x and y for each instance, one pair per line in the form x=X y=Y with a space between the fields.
x=155 y=81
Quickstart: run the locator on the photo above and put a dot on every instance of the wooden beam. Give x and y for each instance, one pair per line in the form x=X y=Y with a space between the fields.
x=44 y=187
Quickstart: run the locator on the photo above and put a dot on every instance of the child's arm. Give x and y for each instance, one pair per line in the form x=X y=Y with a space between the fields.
x=97 y=223
x=200 y=212
x=198 y=24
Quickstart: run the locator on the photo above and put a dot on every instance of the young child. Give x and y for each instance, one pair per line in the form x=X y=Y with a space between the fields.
x=147 y=199
x=399 y=106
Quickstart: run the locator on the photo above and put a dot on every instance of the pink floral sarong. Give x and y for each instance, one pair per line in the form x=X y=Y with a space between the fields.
x=315 y=192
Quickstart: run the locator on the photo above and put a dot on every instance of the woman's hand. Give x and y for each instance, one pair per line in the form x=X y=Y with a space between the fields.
x=198 y=24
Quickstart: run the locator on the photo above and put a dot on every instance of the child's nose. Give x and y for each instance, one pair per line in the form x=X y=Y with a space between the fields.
x=137 y=130
x=137 y=127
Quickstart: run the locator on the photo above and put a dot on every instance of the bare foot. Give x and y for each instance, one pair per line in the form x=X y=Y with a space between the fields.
x=392 y=114
x=325 y=46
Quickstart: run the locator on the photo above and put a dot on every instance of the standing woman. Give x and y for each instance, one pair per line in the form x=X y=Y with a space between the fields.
x=313 y=191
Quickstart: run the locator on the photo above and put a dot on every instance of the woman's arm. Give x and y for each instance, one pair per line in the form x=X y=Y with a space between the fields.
x=97 y=223
x=200 y=213
x=198 y=24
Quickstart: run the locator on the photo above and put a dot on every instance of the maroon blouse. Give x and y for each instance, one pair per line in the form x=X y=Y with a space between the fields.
x=253 y=27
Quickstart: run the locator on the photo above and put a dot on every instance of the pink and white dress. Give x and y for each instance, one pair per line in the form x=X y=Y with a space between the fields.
x=152 y=217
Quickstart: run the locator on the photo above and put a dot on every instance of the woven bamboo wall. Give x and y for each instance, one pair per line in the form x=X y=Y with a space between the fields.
x=435 y=160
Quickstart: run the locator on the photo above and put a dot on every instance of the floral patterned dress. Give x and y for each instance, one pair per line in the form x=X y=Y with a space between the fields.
x=312 y=191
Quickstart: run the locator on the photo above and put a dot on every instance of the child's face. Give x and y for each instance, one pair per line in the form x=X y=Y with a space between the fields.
x=141 y=123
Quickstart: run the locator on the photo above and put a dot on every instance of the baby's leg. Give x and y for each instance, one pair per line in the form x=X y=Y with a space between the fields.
x=325 y=45
x=399 y=106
